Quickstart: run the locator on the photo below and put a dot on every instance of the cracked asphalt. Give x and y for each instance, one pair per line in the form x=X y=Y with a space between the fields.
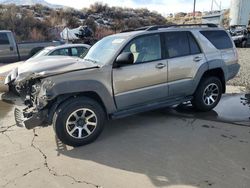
x=153 y=149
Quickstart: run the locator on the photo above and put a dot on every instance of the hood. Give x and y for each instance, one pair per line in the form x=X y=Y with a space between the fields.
x=47 y=66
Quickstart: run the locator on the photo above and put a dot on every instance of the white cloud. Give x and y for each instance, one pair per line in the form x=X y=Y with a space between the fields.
x=164 y=7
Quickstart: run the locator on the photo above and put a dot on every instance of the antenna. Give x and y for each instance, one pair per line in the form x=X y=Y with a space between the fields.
x=212 y=6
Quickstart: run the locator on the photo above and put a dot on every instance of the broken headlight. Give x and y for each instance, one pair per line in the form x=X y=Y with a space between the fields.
x=35 y=89
x=47 y=85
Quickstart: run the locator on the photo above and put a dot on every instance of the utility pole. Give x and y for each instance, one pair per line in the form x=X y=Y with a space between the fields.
x=194 y=10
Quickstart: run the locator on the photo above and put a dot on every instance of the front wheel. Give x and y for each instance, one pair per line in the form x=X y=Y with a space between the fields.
x=208 y=94
x=79 y=121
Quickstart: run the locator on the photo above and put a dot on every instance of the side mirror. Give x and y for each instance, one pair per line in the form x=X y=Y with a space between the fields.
x=125 y=58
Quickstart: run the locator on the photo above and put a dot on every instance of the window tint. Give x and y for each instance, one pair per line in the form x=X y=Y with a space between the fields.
x=146 y=48
x=177 y=44
x=219 y=39
x=64 y=52
x=194 y=47
x=4 y=38
x=78 y=51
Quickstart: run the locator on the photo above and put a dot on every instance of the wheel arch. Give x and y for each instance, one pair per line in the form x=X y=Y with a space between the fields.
x=61 y=99
x=216 y=72
x=215 y=68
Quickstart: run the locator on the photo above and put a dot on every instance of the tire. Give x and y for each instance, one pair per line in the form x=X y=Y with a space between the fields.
x=213 y=87
x=244 y=44
x=65 y=120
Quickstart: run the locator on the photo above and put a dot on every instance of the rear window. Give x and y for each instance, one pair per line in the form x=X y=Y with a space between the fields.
x=4 y=38
x=219 y=39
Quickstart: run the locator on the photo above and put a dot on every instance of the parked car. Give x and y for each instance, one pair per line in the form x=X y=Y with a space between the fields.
x=75 y=50
x=11 y=51
x=128 y=73
x=239 y=35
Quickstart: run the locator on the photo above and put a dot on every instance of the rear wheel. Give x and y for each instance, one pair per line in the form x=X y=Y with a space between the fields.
x=208 y=94
x=79 y=121
x=244 y=44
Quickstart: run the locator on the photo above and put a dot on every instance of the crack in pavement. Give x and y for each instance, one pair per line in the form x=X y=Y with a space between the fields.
x=6 y=128
x=11 y=141
x=53 y=172
x=25 y=174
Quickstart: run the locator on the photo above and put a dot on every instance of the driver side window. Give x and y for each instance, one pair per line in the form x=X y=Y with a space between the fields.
x=145 y=49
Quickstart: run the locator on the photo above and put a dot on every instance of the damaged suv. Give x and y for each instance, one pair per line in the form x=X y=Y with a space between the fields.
x=128 y=73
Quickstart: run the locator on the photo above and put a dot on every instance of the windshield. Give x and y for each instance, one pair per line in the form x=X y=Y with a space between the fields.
x=43 y=52
x=104 y=50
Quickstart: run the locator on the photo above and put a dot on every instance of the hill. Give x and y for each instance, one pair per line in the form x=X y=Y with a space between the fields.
x=29 y=2
x=39 y=22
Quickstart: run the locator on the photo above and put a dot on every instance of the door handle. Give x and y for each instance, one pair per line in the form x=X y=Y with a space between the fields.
x=160 y=66
x=197 y=59
x=11 y=48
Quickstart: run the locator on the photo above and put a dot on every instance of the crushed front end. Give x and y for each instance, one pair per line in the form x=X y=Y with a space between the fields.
x=35 y=99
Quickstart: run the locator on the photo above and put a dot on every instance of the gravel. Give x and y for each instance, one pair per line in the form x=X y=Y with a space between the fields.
x=243 y=77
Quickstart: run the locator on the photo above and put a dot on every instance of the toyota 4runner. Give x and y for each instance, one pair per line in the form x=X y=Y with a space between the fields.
x=128 y=73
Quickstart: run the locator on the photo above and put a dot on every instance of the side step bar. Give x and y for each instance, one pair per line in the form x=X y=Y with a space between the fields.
x=149 y=107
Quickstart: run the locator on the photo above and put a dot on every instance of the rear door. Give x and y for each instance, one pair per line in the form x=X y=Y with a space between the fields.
x=8 y=52
x=144 y=81
x=184 y=59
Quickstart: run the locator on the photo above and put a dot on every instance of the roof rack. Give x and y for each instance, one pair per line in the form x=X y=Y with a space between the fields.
x=156 y=27
x=137 y=29
x=152 y=28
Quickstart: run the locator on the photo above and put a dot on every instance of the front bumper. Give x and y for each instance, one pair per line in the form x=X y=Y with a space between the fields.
x=29 y=119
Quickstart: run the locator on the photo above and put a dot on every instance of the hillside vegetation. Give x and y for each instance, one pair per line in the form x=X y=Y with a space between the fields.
x=43 y=23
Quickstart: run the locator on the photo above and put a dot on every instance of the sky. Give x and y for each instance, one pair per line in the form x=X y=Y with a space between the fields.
x=162 y=6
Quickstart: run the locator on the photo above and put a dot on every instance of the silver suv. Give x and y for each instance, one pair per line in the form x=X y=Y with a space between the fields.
x=128 y=73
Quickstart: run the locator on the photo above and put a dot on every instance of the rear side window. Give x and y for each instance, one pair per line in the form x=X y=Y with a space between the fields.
x=4 y=38
x=78 y=51
x=219 y=39
x=177 y=44
x=63 y=52
x=194 y=47
x=180 y=44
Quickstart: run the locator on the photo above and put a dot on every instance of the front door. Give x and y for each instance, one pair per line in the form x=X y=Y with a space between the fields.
x=144 y=81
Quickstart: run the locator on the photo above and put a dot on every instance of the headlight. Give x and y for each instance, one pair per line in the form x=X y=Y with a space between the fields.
x=2 y=78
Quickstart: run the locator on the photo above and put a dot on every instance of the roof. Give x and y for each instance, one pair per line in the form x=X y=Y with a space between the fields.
x=67 y=46
x=158 y=28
